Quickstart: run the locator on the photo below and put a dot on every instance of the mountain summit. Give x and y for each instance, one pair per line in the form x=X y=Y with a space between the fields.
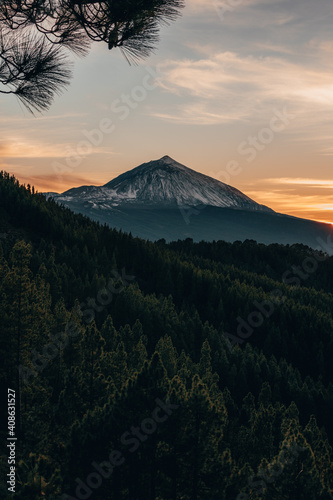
x=163 y=182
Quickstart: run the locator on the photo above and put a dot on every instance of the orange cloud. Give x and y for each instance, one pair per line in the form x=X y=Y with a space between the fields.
x=55 y=183
x=300 y=181
x=303 y=198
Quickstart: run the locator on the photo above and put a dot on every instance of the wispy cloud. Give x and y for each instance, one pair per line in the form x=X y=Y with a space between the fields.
x=23 y=148
x=308 y=198
x=35 y=120
x=228 y=86
x=55 y=183
x=299 y=205
x=203 y=5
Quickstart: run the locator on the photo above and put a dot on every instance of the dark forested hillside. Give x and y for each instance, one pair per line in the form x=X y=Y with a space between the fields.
x=147 y=371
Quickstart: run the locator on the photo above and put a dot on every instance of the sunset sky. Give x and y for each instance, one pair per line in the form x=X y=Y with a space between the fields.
x=241 y=90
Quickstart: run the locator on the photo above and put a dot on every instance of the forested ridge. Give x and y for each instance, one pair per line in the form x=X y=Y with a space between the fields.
x=154 y=371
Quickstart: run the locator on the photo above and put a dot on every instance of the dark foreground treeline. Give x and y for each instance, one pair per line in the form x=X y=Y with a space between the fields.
x=161 y=372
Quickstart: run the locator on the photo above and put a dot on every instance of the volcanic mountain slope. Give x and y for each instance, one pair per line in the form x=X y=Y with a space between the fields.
x=162 y=182
x=164 y=199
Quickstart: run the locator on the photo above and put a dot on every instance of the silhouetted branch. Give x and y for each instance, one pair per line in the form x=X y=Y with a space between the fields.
x=32 y=69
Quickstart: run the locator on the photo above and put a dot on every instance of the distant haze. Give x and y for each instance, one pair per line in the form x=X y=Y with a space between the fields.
x=242 y=94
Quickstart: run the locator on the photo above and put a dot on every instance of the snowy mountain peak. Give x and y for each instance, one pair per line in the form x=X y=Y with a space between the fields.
x=158 y=167
x=162 y=183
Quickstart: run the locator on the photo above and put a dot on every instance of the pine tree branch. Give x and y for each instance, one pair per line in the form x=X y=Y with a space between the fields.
x=36 y=67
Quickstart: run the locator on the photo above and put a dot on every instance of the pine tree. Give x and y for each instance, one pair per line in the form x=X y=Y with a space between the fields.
x=92 y=381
